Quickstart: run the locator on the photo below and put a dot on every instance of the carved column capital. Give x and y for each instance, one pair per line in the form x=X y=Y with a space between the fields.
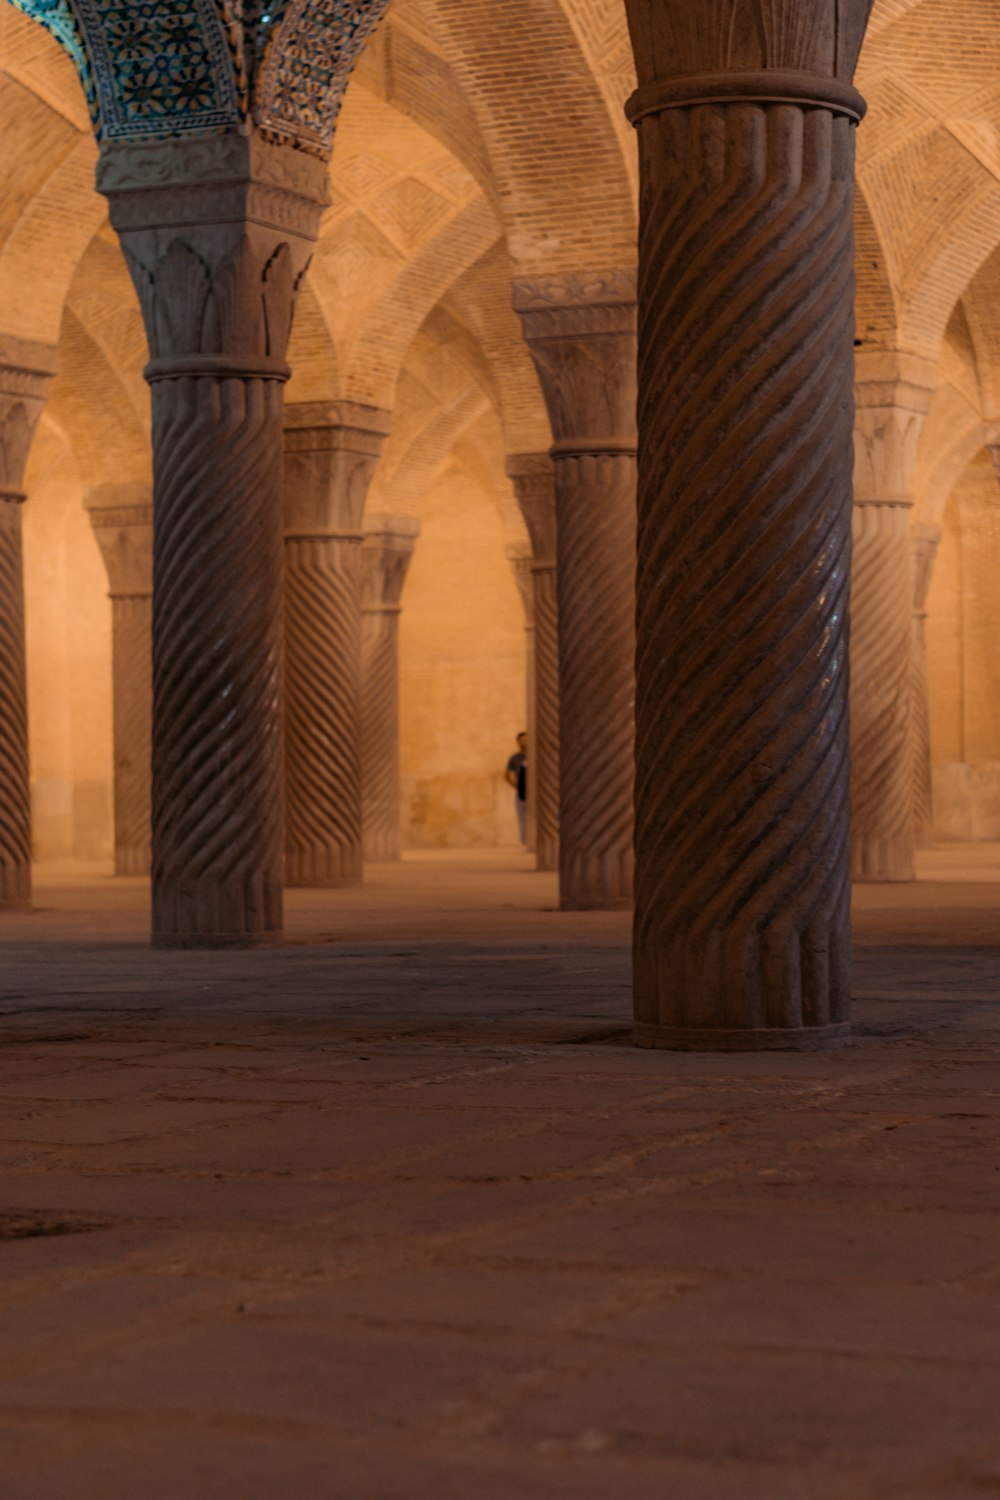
x=122 y=518
x=581 y=331
x=892 y=393
x=534 y=479
x=332 y=449
x=26 y=371
x=217 y=233
x=386 y=553
x=785 y=50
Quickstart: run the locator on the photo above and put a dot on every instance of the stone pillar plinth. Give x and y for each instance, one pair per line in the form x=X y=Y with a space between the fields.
x=580 y=330
x=217 y=232
x=331 y=452
x=746 y=117
x=533 y=476
x=893 y=395
x=924 y=541
x=386 y=554
x=122 y=518
x=25 y=373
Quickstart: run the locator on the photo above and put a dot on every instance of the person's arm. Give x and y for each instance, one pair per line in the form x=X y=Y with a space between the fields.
x=510 y=775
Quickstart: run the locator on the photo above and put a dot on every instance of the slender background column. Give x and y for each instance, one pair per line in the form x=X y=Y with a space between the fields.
x=519 y=557
x=122 y=518
x=924 y=541
x=217 y=233
x=386 y=554
x=893 y=395
x=331 y=452
x=533 y=476
x=25 y=373
x=580 y=329
x=746 y=119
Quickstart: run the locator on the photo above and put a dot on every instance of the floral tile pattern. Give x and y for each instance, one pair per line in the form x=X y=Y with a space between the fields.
x=157 y=68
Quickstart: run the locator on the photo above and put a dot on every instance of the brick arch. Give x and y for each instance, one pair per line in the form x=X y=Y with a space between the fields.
x=563 y=186
x=876 y=314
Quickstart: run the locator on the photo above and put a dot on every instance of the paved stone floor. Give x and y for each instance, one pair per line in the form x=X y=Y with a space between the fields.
x=396 y=1213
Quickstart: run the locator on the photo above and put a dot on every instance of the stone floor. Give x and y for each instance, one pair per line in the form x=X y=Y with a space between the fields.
x=396 y=1213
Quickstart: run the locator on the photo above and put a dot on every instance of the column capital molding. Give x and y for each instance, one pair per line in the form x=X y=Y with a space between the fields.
x=889 y=377
x=576 y=304
x=767 y=86
x=581 y=330
x=336 y=427
x=386 y=552
x=533 y=476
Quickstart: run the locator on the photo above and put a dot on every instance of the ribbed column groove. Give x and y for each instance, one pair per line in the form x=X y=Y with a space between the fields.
x=15 y=796
x=217 y=662
x=385 y=557
x=742 y=935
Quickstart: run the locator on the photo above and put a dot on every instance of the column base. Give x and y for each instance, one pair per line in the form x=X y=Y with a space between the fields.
x=217 y=940
x=753 y=1039
x=596 y=903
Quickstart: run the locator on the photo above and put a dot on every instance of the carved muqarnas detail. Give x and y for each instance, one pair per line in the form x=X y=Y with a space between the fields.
x=242 y=306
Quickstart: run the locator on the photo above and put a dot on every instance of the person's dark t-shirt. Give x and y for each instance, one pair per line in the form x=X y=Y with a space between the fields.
x=519 y=765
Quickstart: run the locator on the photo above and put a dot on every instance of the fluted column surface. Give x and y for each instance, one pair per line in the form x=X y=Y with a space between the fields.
x=386 y=554
x=322 y=633
x=925 y=544
x=580 y=330
x=596 y=583
x=742 y=936
x=545 y=747
x=881 y=691
x=132 y=648
x=15 y=798
x=217 y=661
x=380 y=734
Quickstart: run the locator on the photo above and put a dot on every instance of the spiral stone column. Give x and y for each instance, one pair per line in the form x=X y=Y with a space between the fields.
x=533 y=476
x=580 y=329
x=746 y=117
x=519 y=557
x=122 y=518
x=386 y=554
x=893 y=395
x=25 y=373
x=217 y=232
x=924 y=541
x=331 y=452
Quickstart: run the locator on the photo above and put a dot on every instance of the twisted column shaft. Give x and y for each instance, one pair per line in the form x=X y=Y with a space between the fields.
x=25 y=372
x=533 y=475
x=217 y=233
x=521 y=566
x=742 y=935
x=122 y=518
x=331 y=450
x=386 y=554
x=580 y=330
x=15 y=790
x=924 y=541
x=217 y=661
x=893 y=395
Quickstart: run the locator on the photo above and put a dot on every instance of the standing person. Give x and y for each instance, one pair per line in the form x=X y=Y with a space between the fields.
x=517 y=777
